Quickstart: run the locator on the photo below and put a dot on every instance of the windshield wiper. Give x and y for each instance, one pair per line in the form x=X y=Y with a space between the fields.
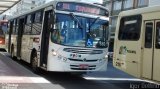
x=93 y=22
x=76 y=19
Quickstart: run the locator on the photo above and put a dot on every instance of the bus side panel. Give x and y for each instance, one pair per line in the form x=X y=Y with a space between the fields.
x=26 y=49
x=29 y=43
x=127 y=54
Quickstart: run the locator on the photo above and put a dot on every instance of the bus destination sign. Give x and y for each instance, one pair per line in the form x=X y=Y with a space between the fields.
x=80 y=7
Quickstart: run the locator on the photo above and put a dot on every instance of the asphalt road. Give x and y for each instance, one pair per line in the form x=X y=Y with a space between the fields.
x=18 y=75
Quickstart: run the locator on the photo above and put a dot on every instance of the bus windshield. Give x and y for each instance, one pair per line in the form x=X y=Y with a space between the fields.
x=71 y=30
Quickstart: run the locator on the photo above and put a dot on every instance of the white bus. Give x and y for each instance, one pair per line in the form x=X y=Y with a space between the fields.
x=62 y=36
x=137 y=43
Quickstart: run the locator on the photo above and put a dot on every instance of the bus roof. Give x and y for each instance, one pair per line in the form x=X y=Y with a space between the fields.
x=140 y=11
x=52 y=3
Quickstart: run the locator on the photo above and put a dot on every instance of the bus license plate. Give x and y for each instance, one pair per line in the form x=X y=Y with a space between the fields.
x=83 y=66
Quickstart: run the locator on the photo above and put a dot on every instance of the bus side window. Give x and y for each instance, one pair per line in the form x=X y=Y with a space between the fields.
x=37 y=23
x=158 y=35
x=130 y=28
x=148 y=35
x=27 y=29
x=14 y=27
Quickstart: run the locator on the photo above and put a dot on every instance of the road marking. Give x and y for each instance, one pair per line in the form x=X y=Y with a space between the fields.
x=16 y=79
x=101 y=78
x=118 y=79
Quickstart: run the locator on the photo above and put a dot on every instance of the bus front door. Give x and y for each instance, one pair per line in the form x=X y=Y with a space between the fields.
x=45 y=38
x=151 y=51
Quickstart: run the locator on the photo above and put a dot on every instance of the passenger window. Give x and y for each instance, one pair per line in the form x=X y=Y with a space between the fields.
x=38 y=17
x=148 y=35
x=130 y=28
x=14 y=27
x=27 y=29
x=28 y=19
x=158 y=35
x=37 y=23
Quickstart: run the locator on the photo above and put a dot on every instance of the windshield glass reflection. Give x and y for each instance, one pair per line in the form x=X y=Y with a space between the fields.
x=74 y=30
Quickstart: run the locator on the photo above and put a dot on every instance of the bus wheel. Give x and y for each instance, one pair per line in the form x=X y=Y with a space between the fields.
x=34 y=62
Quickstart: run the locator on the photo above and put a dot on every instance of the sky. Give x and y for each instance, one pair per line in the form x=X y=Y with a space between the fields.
x=93 y=1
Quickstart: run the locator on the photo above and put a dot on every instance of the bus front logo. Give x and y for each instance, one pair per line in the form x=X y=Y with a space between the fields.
x=75 y=55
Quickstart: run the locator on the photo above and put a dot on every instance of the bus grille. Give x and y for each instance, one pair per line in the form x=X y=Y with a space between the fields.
x=76 y=67
x=81 y=60
x=82 y=51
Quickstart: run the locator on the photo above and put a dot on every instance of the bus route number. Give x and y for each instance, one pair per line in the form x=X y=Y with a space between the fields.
x=102 y=43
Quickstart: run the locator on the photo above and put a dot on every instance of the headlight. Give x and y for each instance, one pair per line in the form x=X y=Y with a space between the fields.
x=54 y=53
x=106 y=57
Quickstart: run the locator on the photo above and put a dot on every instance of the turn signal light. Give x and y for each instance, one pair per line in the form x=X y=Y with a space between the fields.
x=2 y=41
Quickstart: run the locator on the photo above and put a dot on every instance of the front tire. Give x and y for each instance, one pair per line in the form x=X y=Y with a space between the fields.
x=34 y=62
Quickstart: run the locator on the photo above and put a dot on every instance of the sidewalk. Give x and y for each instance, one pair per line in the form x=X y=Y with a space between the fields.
x=15 y=76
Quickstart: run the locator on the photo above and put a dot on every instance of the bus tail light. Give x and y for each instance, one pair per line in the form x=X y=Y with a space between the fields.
x=36 y=39
x=2 y=41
